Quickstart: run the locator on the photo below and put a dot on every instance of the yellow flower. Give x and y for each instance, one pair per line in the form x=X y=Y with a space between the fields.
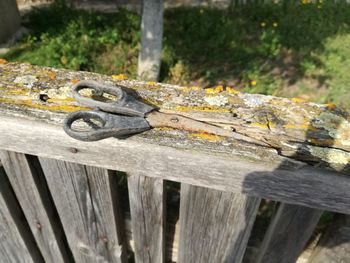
x=263 y=24
x=3 y=61
x=119 y=77
x=253 y=83
x=275 y=24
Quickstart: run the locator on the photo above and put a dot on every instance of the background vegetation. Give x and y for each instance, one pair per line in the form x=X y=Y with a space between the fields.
x=281 y=49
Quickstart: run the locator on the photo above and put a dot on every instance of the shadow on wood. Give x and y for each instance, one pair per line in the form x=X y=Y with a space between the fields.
x=292 y=226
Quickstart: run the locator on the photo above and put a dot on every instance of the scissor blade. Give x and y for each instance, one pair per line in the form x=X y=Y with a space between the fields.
x=159 y=119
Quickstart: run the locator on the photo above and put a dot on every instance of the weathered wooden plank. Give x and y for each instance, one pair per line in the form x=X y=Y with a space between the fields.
x=334 y=245
x=304 y=185
x=16 y=242
x=282 y=123
x=147 y=217
x=31 y=191
x=106 y=200
x=86 y=210
x=214 y=225
x=288 y=233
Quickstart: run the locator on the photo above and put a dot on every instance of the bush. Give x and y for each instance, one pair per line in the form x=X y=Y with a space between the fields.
x=280 y=49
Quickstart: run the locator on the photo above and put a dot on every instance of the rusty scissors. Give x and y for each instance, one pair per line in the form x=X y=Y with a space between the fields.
x=126 y=115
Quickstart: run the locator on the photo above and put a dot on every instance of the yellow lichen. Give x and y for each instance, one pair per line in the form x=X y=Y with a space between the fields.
x=232 y=90
x=3 y=61
x=50 y=107
x=186 y=89
x=331 y=106
x=17 y=92
x=196 y=88
x=204 y=109
x=210 y=91
x=52 y=75
x=298 y=100
x=119 y=77
x=60 y=100
x=207 y=136
x=193 y=88
x=215 y=90
x=151 y=83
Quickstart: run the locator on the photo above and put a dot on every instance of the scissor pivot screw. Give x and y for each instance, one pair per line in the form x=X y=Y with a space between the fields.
x=73 y=150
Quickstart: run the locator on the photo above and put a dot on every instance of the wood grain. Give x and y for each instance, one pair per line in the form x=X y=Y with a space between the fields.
x=85 y=209
x=16 y=241
x=288 y=233
x=296 y=128
x=301 y=184
x=147 y=218
x=32 y=194
x=214 y=225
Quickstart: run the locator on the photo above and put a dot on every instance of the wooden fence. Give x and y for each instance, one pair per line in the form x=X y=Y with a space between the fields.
x=165 y=195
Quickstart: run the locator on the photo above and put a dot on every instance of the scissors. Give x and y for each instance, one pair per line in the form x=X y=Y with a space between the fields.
x=126 y=116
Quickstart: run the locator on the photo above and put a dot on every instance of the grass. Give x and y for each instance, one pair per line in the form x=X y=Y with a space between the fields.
x=287 y=50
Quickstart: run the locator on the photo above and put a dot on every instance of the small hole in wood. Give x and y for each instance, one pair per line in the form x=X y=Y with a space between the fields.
x=44 y=97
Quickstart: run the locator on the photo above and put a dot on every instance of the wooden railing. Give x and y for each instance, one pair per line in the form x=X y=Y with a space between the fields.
x=61 y=200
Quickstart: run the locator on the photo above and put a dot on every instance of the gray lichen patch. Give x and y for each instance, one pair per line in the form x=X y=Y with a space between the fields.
x=27 y=81
x=219 y=100
x=337 y=126
x=337 y=159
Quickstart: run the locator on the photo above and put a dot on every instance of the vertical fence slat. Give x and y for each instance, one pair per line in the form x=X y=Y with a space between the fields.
x=16 y=242
x=147 y=217
x=104 y=191
x=214 y=225
x=34 y=200
x=86 y=210
x=334 y=245
x=288 y=233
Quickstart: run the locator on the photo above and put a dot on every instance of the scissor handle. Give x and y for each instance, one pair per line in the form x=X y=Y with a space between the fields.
x=111 y=125
x=125 y=104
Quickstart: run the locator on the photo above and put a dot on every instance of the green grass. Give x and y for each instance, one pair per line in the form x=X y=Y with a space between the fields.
x=289 y=50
